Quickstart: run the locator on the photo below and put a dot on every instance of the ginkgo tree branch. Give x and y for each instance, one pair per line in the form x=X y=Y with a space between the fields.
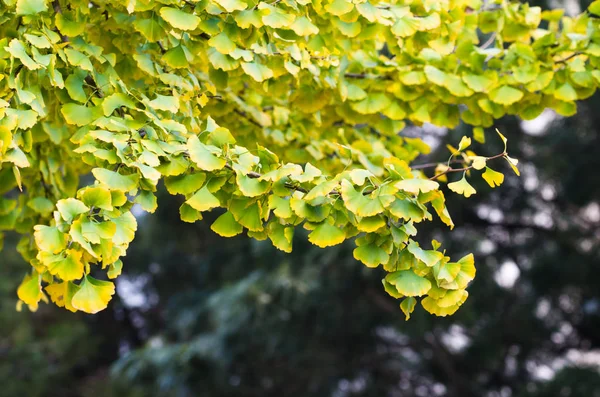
x=306 y=94
x=464 y=169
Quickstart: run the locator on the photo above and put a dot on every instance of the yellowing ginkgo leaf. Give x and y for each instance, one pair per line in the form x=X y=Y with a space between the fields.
x=462 y=187
x=203 y=200
x=492 y=177
x=326 y=235
x=226 y=225
x=417 y=185
x=93 y=295
x=506 y=95
x=513 y=164
x=202 y=156
x=30 y=290
x=408 y=306
x=179 y=19
x=49 y=239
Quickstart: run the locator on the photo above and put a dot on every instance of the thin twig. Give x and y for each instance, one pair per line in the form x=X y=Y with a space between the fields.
x=564 y=60
x=449 y=170
x=430 y=165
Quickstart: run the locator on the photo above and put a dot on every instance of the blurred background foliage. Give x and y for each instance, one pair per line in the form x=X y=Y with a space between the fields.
x=200 y=315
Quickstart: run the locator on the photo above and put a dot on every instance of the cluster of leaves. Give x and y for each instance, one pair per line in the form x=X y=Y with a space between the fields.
x=134 y=91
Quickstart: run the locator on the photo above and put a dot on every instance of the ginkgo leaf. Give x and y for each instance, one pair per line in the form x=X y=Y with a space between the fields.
x=97 y=197
x=408 y=283
x=408 y=306
x=257 y=71
x=126 y=227
x=115 y=181
x=70 y=208
x=202 y=156
x=30 y=290
x=179 y=19
x=465 y=142
x=49 y=239
x=371 y=255
x=67 y=267
x=225 y=225
x=492 y=177
x=232 y=5
x=93 y=295
x=462 y=187
x=428 y=257
x=203 y=200
x=506 y=95
x=326 y=235
x=513 y=164
x=31 y=7
x=116 y=101
x=417 y=185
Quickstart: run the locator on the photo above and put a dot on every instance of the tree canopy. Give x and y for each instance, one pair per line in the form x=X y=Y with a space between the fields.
x=282 y=113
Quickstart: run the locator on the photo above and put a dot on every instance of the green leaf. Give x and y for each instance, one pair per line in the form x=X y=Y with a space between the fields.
x=115 y=269
x=304 y=27
x=374 y=103
x=97 y=197
x=80 y=115
x=178 y=57
x=150 y=29
x=226 y=225
x=202 y=156
x=251 y=187
x=179 y=19
x=185 y=184
x=506 y=95
x=281 y=236
x=326 y=235
x=31 y=7
x=166 y=103
x=371 y=255
x=566 y=93
x=492 y=177
x=93 y=295
x=467 y=271
x=49 y=239
x=67 y=267
x=408 y=283
x=407 y=210
x=17 y=50
x=40 y=205
x=115 y=181
x=222 y=43
x=462 y=187
x=203 y=200
x=408 y=306
x=257 y=71
x=70 y=208
x=126 y=228
x=429 y=257
x=116 y=101
x=147 y=200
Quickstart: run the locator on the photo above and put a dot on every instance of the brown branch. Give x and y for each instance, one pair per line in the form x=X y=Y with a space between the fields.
x=250 y=119
x=465 y=168
x=431 y=165
x=366 y=76
x=564 y=60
